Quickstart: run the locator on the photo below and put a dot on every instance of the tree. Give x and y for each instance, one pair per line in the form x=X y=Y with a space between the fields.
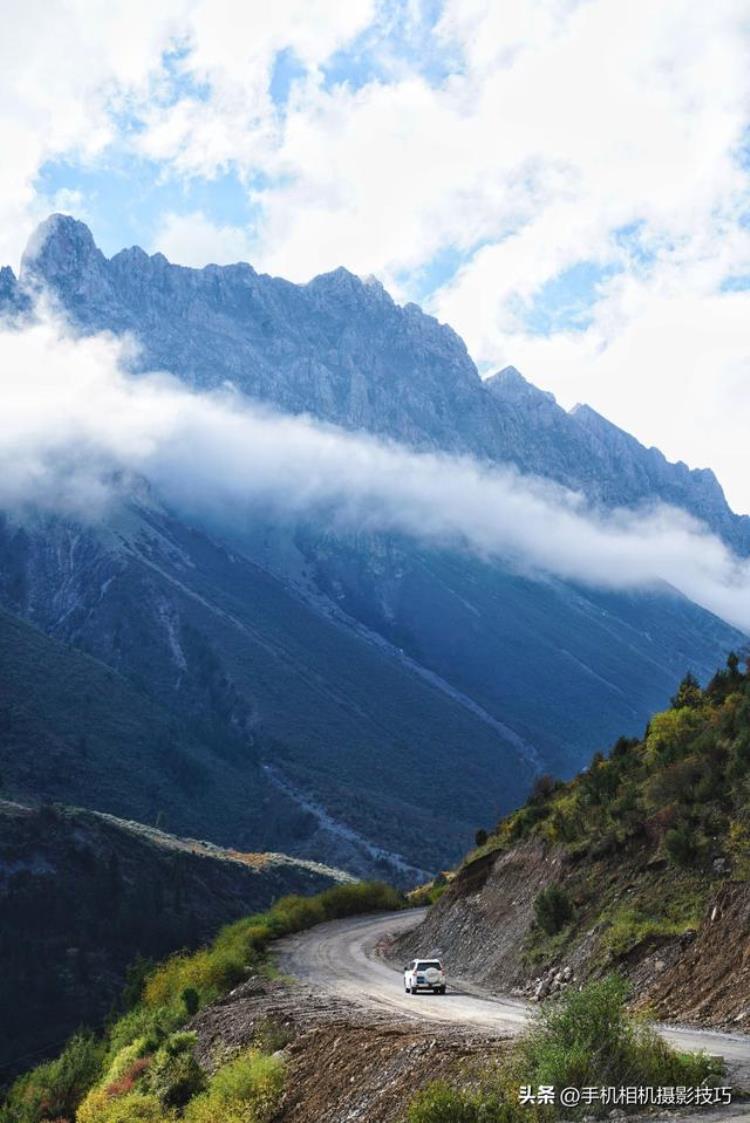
x=689 y=693
x=544 y=786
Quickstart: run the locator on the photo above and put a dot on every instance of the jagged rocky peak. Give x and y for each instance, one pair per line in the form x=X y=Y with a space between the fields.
x=347 y=288
x=13 y=300
x=8 y=285
x=511 y=386
x=595 y=422
x=59 y=245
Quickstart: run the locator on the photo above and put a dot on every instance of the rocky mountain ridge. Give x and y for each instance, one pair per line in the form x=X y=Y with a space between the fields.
x=342 y=350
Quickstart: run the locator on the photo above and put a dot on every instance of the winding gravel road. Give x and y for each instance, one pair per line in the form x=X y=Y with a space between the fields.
x=340 y=958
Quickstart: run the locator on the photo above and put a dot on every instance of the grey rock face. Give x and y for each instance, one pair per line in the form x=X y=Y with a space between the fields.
x=12 y=297
x=341 y=349
x=587 y=452
x=338 y=348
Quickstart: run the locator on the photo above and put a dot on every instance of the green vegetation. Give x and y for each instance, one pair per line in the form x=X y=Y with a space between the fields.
x=683 y=790
x=553 y=909
x=644 y=833
x=430 y=893
x=439 y=1102
x=586 y=1039
x=582 y=1039
x=69 y=725
x=253 y=1080
x=52 y=1090
x=144 y=1068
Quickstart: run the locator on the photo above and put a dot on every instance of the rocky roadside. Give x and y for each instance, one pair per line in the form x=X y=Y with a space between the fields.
x=345 y=1062
x=349 y=1063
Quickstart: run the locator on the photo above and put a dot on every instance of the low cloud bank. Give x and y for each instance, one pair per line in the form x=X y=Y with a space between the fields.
x=76 y=429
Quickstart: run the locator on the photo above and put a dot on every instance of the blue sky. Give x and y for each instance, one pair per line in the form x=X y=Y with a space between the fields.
x=567 y=188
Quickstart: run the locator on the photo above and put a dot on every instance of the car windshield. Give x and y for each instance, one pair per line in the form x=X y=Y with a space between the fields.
x=427 y=963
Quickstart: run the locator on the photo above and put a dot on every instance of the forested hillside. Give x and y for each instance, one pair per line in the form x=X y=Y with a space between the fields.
x=683 y=790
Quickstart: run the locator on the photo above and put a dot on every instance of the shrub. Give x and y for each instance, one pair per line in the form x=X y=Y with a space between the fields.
x=190 y=1000
x=553 y=909
x=361 y=897
x=209 y=972
x=439 y=1103
x=669 y=733
x=135 y=1108
x=123 y=1060
x=54 y=1090
x=247 y=1090
x=480 y=838
x=130 y=1077
x=149 y=1026
x=174 y=1075
x=585 y=1038
x=682 y=845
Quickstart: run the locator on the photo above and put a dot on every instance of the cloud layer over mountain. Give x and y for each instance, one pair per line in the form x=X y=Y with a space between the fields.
x=77 y=428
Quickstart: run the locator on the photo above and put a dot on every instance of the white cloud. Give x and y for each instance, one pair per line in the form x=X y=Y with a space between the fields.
x=193 y=239
x=232 y=47
x=76 y=429
x=64 y=69
x=666 y=355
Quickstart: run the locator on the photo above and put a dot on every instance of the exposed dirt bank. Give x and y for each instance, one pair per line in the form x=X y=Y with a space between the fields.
x=698 y=973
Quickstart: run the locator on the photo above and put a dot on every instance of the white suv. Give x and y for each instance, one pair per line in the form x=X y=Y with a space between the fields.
x=424 y=974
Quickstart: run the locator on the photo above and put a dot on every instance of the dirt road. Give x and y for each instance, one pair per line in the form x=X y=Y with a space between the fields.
x=340 y=959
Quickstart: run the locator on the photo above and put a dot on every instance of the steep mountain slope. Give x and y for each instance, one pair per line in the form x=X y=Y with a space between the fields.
x=297 y=713
x=73 y=729
x=341 y=349
x=563 y=667
x=137 y=891
x=642 y=863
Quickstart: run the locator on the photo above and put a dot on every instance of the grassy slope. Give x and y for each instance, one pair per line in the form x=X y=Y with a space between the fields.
x=683 y=789
x=74 y=730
